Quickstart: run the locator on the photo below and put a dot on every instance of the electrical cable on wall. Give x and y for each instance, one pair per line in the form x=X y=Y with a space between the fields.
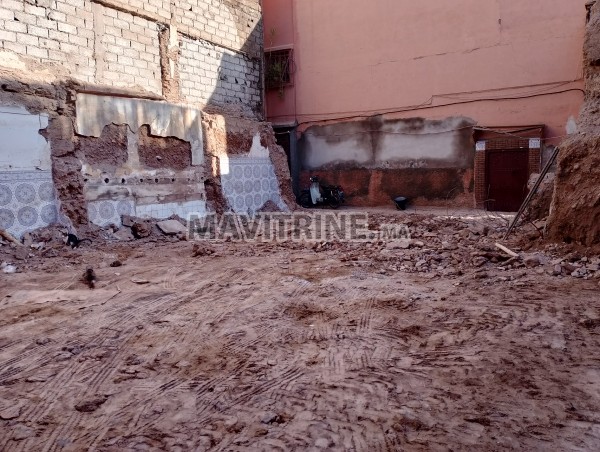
x=428 y=105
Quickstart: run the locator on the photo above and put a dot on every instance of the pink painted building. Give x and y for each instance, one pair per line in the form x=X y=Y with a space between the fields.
x=432 y=100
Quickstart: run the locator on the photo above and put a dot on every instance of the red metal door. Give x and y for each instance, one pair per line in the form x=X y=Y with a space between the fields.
x=507 y=173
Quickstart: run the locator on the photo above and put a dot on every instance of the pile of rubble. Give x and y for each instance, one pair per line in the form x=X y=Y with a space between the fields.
x=436 y=247
x=59 y=241
x=449 y=247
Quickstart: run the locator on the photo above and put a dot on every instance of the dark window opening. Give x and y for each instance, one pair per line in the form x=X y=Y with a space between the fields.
x=278 y=69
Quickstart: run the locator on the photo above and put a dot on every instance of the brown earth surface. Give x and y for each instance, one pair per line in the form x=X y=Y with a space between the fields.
x=443 y=345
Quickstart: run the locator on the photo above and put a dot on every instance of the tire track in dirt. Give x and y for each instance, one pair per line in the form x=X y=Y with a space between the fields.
x=109 y=368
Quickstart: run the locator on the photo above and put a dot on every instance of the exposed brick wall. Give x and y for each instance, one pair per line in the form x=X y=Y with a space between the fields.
x=159 y=8
x=55 y=32
x=479 y=178
x=131 y=51
x=121 y=43
x=535 y=161
x=233 y=24
x=209 y=73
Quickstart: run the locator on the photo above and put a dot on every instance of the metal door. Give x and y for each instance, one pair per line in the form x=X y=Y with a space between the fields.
x=507 y=172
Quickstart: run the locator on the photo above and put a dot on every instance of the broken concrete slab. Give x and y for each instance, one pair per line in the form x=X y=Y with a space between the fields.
x=171 y=227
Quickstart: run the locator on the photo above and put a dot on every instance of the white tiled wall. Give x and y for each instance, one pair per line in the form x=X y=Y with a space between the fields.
x=250 y=183
x=162 y=211
x=27 y=201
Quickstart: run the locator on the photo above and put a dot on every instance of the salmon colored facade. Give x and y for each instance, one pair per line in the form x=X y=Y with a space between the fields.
x=493 y=63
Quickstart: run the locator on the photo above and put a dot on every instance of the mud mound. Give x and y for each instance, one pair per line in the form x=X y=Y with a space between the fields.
x=575 y=212
x=576 y=205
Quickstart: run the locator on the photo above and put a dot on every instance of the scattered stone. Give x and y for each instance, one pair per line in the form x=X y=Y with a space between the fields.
x=9 y=413
x=531 y=260
x=27 y=239
x=449 y=246
x=557 y=270
x=127 y=220
x=141 y=230
x=8 y=268
x=478 y=229
x=63 y=356
x=116 y=263
x=89 y=406
x=400 y=244
x=231 y=423
x=171 y=227
x=140 y=281
x=36 y=379
x=479 y=261
x=323 y=443
x=124 y=235
x=43 y=341
x=22 y=432
x=202 y=249
x=270 y=418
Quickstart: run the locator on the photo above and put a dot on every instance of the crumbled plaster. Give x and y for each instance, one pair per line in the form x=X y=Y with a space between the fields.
x=165 y=119
x=379 y=142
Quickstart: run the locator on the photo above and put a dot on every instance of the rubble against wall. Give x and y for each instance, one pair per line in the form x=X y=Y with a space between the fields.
x=575 y=212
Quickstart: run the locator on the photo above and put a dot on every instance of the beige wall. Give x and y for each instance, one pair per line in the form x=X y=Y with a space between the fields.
x=357 y=58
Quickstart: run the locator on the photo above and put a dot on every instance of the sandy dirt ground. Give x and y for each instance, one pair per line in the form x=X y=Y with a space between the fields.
x=299 y=347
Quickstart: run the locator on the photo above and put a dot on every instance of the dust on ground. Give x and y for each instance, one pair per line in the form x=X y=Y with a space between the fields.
x=435 y=343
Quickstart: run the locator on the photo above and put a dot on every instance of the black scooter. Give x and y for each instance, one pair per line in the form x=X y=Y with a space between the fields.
x=321 y=195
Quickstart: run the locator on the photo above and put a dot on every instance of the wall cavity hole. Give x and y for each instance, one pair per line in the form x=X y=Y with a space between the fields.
x=122 y=181
x=106 y=180
x=173 y=180
x=156 y=180
x=142 y=181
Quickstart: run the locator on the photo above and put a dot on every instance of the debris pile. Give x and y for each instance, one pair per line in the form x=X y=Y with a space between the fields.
x=575 y=213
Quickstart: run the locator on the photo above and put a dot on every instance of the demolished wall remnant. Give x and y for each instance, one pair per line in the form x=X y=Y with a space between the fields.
x=124 y=87
x=27 y=196
x=377 y=159
x=575 y=211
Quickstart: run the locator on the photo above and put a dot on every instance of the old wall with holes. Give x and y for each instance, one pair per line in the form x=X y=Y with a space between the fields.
x=137 y=103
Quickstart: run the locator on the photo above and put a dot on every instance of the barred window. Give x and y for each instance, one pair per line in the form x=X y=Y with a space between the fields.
x=278 y=68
